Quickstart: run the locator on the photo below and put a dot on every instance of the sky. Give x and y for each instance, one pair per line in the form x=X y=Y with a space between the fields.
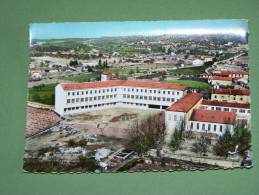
x=127 y=28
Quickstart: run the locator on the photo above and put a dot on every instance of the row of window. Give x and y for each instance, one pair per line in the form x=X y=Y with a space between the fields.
x=88 y=107
x=229 y=110
x=99 y=91
x=233 y=98
x=204 y=127
x=149 y=98
x=100 y=105
x=151 y=91
x=80 y=100
x=91 y=91
x=175 y=117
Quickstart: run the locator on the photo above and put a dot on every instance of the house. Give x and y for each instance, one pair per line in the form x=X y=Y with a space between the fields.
x=211 y=121
x=220 y=81
x=180 y=112
x=243 y=111
x=241 y=96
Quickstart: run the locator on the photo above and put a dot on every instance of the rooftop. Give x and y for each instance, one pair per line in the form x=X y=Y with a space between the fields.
x=186 y=103
x=227 y=73
x=219 y=78
x=225 y=104
x=231 y=91
x=126 y=83
x=213 y=116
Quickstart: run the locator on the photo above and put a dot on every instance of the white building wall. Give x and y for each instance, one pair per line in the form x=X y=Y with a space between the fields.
x=60 y=100
x=215 y=128
x=78 y=101
x=173 y=120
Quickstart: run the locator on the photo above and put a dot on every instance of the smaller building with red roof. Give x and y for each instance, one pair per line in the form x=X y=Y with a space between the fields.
x=211 y=121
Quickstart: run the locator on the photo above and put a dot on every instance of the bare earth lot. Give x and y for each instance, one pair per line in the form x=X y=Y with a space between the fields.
x=113 y=122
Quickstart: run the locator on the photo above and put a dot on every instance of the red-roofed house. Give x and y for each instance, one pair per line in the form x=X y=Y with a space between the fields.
x=211 y=121
x=233 y=74
x=71 y=98
x=242 y=110
x=181 y=111
x=218 y=80
x=241 y=96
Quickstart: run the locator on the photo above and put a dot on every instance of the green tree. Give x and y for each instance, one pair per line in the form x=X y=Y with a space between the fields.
x=178 y=136
x=202 y=145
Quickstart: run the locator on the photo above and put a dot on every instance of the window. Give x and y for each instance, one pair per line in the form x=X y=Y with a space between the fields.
x=191 y=125
x=68 y=93
x=178 y=93
x=242 y=111
x=154 y=91
x=220 y=128
x=82 y=99
x=198 y=126
x=175 y=117
x=150 y=97
x=77 y=93
x=77 y=99
x=203 y=126
x=82 y=93
x=226 y=109
x=208 y=127
x=218 y=108
x=215 y=127
x=86 y=92
x=212 y=108
x=168 y=92
x=68 y=101
x=73 y=93
x=154 y=98
x=163 y=92
x=73 y=100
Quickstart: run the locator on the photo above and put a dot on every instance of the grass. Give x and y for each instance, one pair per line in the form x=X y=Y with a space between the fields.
x=44 y=94
x=191 y=84
x=81 y=78
x=192 y=70
x=124 y=71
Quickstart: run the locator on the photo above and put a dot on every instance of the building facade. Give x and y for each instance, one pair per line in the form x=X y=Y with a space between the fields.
x=211 y=122
x=72 y=98
x=241 y=96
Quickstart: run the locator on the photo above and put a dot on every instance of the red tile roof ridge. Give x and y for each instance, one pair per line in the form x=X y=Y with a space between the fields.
x=213 y=116
x=129 y=83
x=185 y=103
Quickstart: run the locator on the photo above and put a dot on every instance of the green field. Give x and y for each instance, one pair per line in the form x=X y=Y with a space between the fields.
x=125 y=71
x=44 y=94
x=81 y=78
x=191 y=70
x=191 y=84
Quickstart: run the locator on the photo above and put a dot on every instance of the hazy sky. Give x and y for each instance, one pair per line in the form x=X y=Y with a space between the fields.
x=100 y=29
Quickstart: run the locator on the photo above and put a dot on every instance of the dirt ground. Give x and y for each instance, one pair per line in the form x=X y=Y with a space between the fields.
x=111 y=122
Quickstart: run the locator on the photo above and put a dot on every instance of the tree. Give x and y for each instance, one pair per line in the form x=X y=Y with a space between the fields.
x=178 y=136
x=228 y=142
x=100 y=62
x=147 y=133
x=88 y=163
x=202 y=145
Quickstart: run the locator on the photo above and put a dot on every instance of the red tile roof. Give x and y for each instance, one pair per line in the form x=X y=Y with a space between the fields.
x=213 y=116
x=231 y=91
x=221 y=78
x=126 y=83
x=227 y=73
x=186 y=103
x=225 y=104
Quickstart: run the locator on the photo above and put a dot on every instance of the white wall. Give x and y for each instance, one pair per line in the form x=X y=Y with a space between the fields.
x=206 y=127
x=83 y=100
x=60 y=100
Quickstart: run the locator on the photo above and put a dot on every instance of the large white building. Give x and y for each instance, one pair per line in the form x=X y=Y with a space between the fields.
x=71 y=98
